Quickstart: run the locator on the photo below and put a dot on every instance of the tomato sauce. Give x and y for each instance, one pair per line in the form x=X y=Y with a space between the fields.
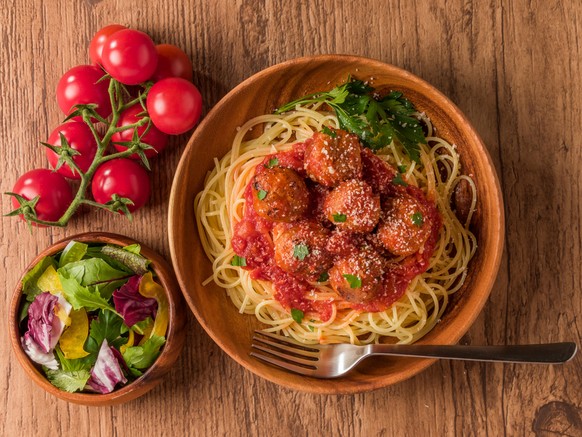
x=252 y=239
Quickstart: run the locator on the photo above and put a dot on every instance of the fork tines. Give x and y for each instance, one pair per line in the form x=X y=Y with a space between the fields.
x=283 y=352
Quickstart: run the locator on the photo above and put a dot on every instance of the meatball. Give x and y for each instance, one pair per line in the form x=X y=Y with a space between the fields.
x=404 y=227
x=280 y=194
x=352 y=206
x=358 y=277
x=300 y=248
x=331 y=159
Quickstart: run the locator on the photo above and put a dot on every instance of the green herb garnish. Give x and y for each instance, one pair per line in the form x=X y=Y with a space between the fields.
x=261 y=194
x=297 y=315
x=377 y=122
x=328 y=132
x=323 y=277
x=399 y=181
x=339 y=218
x=300 y=251
x=417 y=219
x=402 y=168
x=353 y=280
x=239 y=261
x=273 y=162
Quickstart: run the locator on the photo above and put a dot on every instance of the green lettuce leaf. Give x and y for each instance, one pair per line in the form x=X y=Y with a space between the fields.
x=79 y=296
x=29 y=282
x=107 y=326
x=74 y=251
x=142 y=357
x=70 y=381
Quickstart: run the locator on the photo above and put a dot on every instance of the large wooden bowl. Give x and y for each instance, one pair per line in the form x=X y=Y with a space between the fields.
x=175 y=336
x=261 y=94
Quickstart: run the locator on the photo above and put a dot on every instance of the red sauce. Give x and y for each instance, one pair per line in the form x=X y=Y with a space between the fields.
x=252 y=239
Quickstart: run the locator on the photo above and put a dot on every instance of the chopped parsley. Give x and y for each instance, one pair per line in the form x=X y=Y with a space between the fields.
x=339 y=218
x=297 y=315
x=240 y=261
x=402 y=168
x=376 y=120
x=353 y=280
x=399 y=181
x=300 y=251
x=417 y=218
x=273 y=162
x=261 y=194
x=328 y=132
x=323 y=277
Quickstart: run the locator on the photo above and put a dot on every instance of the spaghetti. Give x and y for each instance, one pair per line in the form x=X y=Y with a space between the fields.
x=221 y=205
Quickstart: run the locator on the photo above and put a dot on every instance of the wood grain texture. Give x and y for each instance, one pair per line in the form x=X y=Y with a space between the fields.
x=513 y=67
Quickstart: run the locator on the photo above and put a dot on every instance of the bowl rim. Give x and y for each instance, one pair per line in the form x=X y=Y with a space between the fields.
x=491 y=263
x=175 y=336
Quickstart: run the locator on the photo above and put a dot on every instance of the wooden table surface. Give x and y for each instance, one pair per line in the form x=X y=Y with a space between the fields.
x=513 y=67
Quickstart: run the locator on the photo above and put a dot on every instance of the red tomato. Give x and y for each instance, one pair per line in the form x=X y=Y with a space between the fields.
x=96 y=46
x=123 y=177
x=79 y=86
x=174 y=105
x=172 y=62
x=158 y=140
x=129 y=56
x=81 y=139
x=55 y=194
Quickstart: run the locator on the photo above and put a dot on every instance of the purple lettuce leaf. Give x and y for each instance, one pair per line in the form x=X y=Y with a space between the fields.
x=106 y=372
x=36 y=354
x=44 y=326
x=132 y=306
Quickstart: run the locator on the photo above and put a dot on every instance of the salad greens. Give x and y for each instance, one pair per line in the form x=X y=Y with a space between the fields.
x=93 y=317
x=377 y=118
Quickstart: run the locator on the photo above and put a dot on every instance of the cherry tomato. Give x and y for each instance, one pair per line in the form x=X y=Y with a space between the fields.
x=174 y=105
x=81 y=139
x=80 y=85
x=129 y=56
x=172 y=62
x=123 y=177
x=55 y=194
x=96 y=46
x=158 y=140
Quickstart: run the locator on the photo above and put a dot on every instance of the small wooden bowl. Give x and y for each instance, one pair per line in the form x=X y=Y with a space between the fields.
x=174 y=338
x=261 y=94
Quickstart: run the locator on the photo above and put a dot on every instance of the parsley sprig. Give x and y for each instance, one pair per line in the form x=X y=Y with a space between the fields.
x=377 y=122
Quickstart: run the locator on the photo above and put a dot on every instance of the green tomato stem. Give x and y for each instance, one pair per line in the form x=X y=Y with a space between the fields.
x=117 y=106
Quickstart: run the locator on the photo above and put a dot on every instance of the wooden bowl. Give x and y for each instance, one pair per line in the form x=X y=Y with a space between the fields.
x=174 y=338
x=261 y=94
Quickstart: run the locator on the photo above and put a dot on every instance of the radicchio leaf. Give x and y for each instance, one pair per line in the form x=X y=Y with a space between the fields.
x=132 y=306
x=106 y=372
x=46 y=317
x=36 y=354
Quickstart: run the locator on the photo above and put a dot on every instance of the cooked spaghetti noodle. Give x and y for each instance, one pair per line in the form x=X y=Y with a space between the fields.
x=222 y=202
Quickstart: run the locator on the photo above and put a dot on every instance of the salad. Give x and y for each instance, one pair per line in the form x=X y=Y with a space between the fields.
x=93 y=316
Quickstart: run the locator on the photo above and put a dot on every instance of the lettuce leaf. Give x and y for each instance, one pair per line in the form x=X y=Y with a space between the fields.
x=80 y=296
x=74 y=251
x=70 y=381
x=107 y=327
x=132 y=306
x=36 y=354
x=142 y=357
x=29 y=285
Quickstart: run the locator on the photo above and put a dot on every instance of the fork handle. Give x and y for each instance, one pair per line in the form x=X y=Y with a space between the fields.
x=530 y=353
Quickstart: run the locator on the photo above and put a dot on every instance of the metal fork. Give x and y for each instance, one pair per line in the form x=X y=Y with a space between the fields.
x=331 y=361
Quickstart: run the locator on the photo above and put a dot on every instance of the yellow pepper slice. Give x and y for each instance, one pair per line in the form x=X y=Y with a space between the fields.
x=74 y=337
x=149 y=288
x=129 y=343
x=49 y=281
